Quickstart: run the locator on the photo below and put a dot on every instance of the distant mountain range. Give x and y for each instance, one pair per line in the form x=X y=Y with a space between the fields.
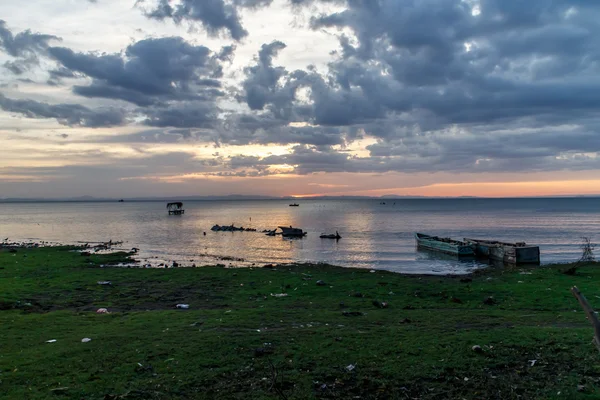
x=252 y=197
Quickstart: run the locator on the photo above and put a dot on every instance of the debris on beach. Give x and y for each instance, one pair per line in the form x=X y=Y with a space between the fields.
x=86 y=340
x=380 y=304
x=183 y=306
x=352 y=313
x=490 y=301
x=477 y=349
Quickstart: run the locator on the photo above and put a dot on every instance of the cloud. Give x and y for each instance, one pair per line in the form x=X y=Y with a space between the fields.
x=65 y=114
x=215 y=16
x=150 y=71
x=23 y=46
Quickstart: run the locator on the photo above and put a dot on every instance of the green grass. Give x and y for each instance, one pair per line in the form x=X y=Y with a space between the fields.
x=238 y=341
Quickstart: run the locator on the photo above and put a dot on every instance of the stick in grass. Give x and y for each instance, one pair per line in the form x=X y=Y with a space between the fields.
x=590 y=313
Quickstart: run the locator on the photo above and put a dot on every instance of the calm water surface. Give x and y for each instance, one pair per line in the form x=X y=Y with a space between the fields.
x=374 y=235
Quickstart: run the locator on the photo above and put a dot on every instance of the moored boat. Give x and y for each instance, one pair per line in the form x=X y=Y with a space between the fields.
x=294 y=205
x=444 y=245
x=175 y=208
x=331 y=236
x=508 y=253
x=291 y=232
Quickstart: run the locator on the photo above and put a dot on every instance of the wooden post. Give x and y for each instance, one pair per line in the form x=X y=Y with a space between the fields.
x=590 y=313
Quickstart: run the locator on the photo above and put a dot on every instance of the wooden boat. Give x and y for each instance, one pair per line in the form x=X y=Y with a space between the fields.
x=294 y=205
x=508 y=253
x=175 y=208
x=331 y=236
x=291 y=232
x=444 y=245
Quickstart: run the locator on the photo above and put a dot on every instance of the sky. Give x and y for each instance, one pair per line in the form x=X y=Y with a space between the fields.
x=128 y=98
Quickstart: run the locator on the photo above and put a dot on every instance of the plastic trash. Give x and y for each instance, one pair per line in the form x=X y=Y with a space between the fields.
x=102 y=311
x=51 y=341
x=183 y=306
x=350 y=367
x=85 y=340
x=104 y=283
x=279 y=294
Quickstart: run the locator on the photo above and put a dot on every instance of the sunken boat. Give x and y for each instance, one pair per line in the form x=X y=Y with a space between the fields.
x=445 y=245
x=291 y=232
x=508 y=253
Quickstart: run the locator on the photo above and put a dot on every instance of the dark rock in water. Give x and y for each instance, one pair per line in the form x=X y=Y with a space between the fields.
x=466 y=280
x=321 y=283
x=12 y=251
x=175 y=264
x=352 y=313
x=490 y=301
x=268 y=266
x=86 y=253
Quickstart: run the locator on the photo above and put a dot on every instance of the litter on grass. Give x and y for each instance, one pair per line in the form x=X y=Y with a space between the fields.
x=85 y=340
x=183 y=306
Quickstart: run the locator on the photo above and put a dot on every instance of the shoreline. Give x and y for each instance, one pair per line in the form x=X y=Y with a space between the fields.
x=143 y=260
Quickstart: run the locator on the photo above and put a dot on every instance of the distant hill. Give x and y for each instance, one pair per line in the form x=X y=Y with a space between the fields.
x=254 y=197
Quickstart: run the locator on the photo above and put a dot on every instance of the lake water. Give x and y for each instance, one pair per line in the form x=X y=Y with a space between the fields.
x=373 y=235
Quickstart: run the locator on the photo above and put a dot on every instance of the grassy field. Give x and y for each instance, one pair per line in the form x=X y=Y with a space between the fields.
x=331 y=339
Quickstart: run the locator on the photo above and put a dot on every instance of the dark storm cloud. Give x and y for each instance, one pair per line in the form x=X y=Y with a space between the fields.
x=65 y=114
x=24 y=46
x=215 y=16
x=261 y=84
x=152 y=70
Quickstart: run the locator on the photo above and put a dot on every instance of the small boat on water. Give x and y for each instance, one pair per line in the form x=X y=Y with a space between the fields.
x=508 y=253
x=445 y=245
x=294 y=205
x=291 y=232
x=331 y=236
x=175 y=208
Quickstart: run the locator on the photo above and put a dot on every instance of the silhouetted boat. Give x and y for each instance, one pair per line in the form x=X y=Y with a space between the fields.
x=294 y=205
x=291 y=232
x=445 y=245
x=331 y=236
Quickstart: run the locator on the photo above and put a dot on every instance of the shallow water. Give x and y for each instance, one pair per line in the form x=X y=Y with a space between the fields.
x=373 y=235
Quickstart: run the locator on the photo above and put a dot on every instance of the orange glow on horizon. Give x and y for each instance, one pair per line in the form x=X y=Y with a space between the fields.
x=482 y=189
